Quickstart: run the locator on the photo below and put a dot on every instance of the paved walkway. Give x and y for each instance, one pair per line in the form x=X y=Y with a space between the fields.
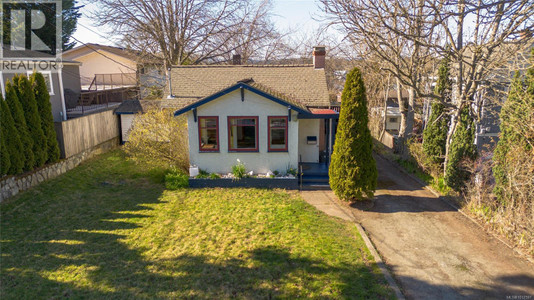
x=433 y=251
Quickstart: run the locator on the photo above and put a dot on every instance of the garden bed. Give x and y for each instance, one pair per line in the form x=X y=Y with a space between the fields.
x=252 y=182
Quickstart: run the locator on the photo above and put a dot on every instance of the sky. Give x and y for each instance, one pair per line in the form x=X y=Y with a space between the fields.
x=293 y=14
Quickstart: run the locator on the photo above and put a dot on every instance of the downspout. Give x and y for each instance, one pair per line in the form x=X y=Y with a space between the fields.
x=2 y=88
x=61 y=93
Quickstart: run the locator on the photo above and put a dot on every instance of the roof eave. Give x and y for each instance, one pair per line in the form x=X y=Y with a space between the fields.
x=233 y=88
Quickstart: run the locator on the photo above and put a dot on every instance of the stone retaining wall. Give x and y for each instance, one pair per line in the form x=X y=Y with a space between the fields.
x=12 y=185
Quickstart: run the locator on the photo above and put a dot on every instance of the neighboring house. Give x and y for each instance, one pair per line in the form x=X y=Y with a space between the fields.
x=107 y=67
x=59 y=76
x=270 y=117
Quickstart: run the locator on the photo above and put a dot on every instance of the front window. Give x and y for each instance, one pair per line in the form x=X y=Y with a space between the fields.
x=208 y=128
x=243 y=133
x=277 y=133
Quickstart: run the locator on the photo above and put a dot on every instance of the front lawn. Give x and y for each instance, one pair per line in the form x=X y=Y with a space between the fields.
x=108 y=229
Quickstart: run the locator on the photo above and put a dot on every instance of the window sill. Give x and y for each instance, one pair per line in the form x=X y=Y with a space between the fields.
x=208 y=151
x=277 y=151
x=244 y=150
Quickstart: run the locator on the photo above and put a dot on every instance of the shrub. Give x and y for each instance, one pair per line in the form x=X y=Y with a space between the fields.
x=353 y=169
x=12 y=154
x=462 y=150
x=215 y=176
x=33 y=119
x=176 y=179
x=203 y=174
x=239 y=170
x=19 y=120
x=158 y=139
x=42 y=97
x=289 y=171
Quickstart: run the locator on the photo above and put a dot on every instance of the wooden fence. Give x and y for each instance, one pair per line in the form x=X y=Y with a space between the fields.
x=83 y=133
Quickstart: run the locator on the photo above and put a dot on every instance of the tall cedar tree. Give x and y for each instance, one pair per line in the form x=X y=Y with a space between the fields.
x=11 y=140
x=47 y=119
x=353 y=170
x=516 y=112
x=20 y=124
x=435 y=133
x=462 y=148
x=5 y=163
x=33 y=119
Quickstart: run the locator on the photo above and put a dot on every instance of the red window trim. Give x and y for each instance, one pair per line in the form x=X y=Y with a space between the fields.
x=269 y=133
x=257 y=134
x=200 y=149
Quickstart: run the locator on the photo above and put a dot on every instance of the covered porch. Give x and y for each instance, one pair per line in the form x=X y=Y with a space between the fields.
x=313 y=173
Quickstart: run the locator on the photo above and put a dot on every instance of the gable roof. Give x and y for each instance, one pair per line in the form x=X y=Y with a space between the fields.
x=253 y=87
x=302 y=83
x=130 y=54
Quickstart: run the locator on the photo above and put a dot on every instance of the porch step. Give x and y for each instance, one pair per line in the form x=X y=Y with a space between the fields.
x=315 y=187
x=315 y=179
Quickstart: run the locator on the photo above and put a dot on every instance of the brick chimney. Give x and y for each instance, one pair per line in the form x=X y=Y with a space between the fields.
x=319 y=53
x=236 y=59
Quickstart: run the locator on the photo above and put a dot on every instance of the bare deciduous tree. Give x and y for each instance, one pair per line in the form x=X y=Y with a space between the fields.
x=480 y=36
x=189 y=31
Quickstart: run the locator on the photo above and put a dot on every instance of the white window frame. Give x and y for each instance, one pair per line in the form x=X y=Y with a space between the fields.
x=49 y=73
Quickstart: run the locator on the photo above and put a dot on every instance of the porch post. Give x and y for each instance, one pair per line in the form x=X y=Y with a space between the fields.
x=330 y=139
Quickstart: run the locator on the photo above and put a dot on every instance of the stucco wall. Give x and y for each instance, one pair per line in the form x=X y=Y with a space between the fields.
x=126 y=124
x=308 y=127
x=393 y=125
x=95 y=63
x=259 y=162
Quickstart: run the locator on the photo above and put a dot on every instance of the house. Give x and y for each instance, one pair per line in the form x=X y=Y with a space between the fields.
x=109 y=67
x=62 y=77
x=270 y=117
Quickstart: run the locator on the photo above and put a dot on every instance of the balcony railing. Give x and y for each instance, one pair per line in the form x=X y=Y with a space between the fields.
x=92 y=101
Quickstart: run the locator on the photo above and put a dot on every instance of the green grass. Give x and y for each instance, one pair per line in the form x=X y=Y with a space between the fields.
x=108 y=229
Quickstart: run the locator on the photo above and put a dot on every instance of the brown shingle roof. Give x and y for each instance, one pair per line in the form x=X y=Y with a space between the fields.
x=302 y=83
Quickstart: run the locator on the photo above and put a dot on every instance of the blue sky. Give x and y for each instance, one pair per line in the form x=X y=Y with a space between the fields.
x=294 y=14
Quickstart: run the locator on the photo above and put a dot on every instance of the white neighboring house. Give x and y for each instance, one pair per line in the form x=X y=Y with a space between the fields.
x=59 y=76
x=393 y=117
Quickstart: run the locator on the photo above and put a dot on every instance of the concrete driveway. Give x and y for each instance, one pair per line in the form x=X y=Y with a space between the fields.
x=432 y=250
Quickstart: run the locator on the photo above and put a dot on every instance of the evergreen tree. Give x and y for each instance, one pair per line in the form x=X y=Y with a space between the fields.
x=47 y=119
x=353 y=170
x=435 y=133
x=33 y=120
x=516 y=112
x=5 y=163
x=11 y=140
x=462 y=147
x=20 y=124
